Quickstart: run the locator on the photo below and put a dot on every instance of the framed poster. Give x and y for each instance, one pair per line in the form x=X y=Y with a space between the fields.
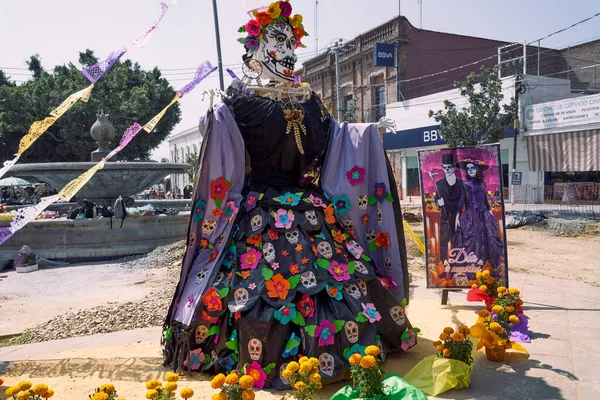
x=463 y=215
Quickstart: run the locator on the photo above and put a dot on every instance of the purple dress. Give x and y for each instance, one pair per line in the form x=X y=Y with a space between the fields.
x=478 y=232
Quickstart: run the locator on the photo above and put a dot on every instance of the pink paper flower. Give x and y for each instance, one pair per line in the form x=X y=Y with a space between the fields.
x=339 y=271
x=371 y=312
x=256 y=371
x=229 y=211
x=253 y=27
x=286 y=9
x=316 y=201
x=284 y=218
x=306 y=306
x=196 y=358
x=325 y=333
x=250 y=259
x=407 y=339
x=354 y=248
x=356 y=175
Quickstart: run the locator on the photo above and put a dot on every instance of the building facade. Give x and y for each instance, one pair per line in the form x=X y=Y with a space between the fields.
x=184 y=147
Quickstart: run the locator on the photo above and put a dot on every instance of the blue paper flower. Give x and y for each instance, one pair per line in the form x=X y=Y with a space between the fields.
x=227 y=363
x=341 y=204
x=334 y=290
x=199 y=210
x=289 y=198
x=229 y=256
x=356 y=348
x=286 y=313
x=291 y=347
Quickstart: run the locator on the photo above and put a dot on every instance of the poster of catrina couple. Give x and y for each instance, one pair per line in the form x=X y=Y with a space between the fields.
x=463 y=215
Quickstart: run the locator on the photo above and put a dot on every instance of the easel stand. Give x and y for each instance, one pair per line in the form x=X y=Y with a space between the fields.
x=445 y=295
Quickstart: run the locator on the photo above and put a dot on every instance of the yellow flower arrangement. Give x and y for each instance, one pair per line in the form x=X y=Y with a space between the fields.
x=172 y=377
x=186 y=393
x=150 y=394
x=303 y=376
x=233 y=387
x=48 y=394
x=372 y=351
x=248 y=395
x=12 y=391
x=152 y=384
x=105 y=396
x=455 y=345
x=219 y=396
x=366 y=372
x=24 y=386
x=232 y=378
x=218 y=381
x=40 y=389
x=171 y=386
x=246 y=382
x=23 y=395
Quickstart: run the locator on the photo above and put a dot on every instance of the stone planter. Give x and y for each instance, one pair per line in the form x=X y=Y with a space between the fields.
x=27 y=268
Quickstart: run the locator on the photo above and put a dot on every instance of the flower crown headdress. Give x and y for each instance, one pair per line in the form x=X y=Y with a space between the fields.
x=471 y=161
x=262 y=17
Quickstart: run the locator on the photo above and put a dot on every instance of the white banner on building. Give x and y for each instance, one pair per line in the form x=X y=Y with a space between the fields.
x=556 y=114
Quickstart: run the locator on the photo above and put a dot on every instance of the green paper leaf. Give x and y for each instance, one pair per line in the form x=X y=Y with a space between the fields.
x=388 y=197
x=294 y=280
x=244 y=368
x=241 y=40
x=351 y=267
x=360 y=317
x=365 y=257
x=299 y=320
x=261 y=195
x=277 y=199
x=234 y=357
x=403 y=303
x=214 y=330
x=223 y=292
x=292 y=343
x=310 y=329
x=242 y=29
x=372 y=200
x=373 y=246
x=233 y=345
x=306 y=200
x=339 y=324
x=405 y=335
x=229 y=183
x=207 y=359
x=323 y=263
x=218 y=203
x=267 y=273
x=346 y=352
x=269 y=368
x=416 y=331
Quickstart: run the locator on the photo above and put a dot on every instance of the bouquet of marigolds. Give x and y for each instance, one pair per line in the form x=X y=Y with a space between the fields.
x=105 y=392
x=366 y=372
x=303 y=376
x=494 y=332
x=455 y=345
x=233 y=387
x=155 y=389
x=25 y=391
x=486 y=283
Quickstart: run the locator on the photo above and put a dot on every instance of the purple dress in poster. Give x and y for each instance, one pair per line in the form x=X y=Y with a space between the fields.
x=478 y=231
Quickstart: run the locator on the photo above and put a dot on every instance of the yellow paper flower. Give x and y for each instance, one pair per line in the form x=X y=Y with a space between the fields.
x=247 y=381
x=315 y=378
x=48 y=394
x=355 y=359
x=509 y=309
x=372 y=351
x=287 y=374
x=108 y=388
x=219 y=396
x=25 y=385
x=150 y=394
x=247 y=395
x=444 y=336
x=171 y=386
x=274 y=10
x=232 y=379
x=485 y=274
x=40 y=389
x=293 y=366
x=296 y=20
x=217 y=381
x=152 y=384
x=501 y=289
x=446 y=352
x=186 y=393
x=172 y=377
x=458 y=337
x=514 y=319
x=300 y=385
x=484 y=313
x=448 y=330
x=368 y=362
x=483 y=288
x=25 y=395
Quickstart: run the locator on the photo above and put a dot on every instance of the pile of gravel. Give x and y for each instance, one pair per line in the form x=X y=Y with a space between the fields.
x=113 y=317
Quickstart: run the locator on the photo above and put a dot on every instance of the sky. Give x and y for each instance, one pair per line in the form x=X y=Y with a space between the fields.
x=57 y=30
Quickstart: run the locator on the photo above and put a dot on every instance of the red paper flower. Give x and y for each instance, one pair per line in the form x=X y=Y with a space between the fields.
x=212 y=300
x=382 y=240
x=306 y=306
x=252 y=27
x=219 y=188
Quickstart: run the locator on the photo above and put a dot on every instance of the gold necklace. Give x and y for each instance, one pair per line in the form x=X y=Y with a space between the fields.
x=294 y=115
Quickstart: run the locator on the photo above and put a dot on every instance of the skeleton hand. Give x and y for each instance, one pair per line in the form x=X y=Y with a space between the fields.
x=386 y=123
x=457 y=223
x=440 y=202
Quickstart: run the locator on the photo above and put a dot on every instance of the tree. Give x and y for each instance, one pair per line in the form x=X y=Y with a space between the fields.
x=192 y=159
x=127 y=93
x=483 y=120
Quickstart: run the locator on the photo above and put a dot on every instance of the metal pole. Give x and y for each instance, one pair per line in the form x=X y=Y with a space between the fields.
x=525 y=58
x=420 y=14
x=398 y=71
x=595 y=66
x=538 y=58
x=337 y=80
x=316 y=25
x=515 y=134
x=219 y=58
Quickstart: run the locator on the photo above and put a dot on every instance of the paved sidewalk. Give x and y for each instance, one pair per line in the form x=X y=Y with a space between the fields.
x=564 y=362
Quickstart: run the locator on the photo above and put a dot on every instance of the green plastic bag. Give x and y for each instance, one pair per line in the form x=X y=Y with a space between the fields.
x=395 y=388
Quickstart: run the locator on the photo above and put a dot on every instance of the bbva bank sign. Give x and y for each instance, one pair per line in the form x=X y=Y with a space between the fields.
x=384 y=55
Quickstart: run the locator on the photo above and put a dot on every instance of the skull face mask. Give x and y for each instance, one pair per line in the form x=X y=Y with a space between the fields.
x=276 y=51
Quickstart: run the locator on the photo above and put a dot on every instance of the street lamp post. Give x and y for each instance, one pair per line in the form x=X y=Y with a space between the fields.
x=218 y=37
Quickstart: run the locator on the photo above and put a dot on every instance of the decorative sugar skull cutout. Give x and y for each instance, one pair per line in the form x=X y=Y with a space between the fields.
x=397 y=314
x=311 y=216
x=308 y=279
x=208 y=226
x=240 y=296
x=281 y=369
x=369 y=235
x=255 y=349
x=362 y=285
x=362 y=202
x=326 y=364
x=379 y=216
x=221 y=239
x=351 y=329
x=269 y=252
x=388 y=264
x=325 y=249
x=360 y=268
x=353 y=291
x=292 y=236
x=256 y=222
x=276 y=52
x=201 y=334
x=201 y=276
x=348 y=225
x=219 y=278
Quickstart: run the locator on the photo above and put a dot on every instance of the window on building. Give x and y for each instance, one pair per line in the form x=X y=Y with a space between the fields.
x=349 y=103
x=379 y=103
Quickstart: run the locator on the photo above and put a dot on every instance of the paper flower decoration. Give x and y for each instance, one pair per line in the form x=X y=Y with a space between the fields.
x=212 y=300
x=316 y=201
x=251 y=200
x=199 y=210
x=250 y=259
x=341 y=204
x=286 y=313
x=229 y=211
x=291 y=347
x=284 y=218
x=371 y=312
x=356 y=175
x=289 y=198
x=325 y=332
x=218 y=190
x=380 y=194
x=195 y=359
x=339 y=271
x=278 y=287
x=306 y=306
x=256 y=371
x=334 y=290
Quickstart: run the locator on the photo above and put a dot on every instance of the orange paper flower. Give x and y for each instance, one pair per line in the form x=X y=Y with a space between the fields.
x=278 y=287
x=382 y=240
x=212 y=300
x=263 y=18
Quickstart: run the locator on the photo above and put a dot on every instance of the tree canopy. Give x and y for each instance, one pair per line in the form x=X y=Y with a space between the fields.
x=127 y=93
x=483 y=120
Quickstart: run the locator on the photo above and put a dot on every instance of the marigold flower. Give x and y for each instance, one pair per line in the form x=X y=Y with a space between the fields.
x=293 y=366
x=248 y=395
x=458 y=337
x=474 y=286
x=232 y=379
x=12 y=391
x=478 y=275
x=489 y=280
x=152 y=384
x=186 y=393
x=368 y=362
x=48 y=394
x=40 y=389
x=485 y=274
x=372 y=351
x=219 y=396
x=436 y=343
x=440 y=347
x=315 y=377
x=355 y=359
x=25 y=395
x=172 y=377
x=305 y=367
x=483 y=288
x=303 y=359
x=484 y=313
x=287 y=374
x=444 y=336
x=24 y=385
x=300 y=385
x=509 y=309
x=217 y=381
x=464 y=329
x=108 y=388
x=247 y=381
x=150 y=394
x=497 y=309
x=514 y=291
x=514 y=319
x=501 y=289
x=171 y=386
x=314 y=362
x=296 y=20
x=448 y=330
x=495 y=326
x=519 y=302
x=446 y=352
